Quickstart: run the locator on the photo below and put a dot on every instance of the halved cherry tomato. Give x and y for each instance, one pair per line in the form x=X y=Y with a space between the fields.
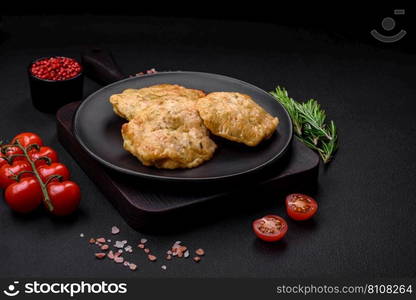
x=300 y=207
x=270 y=228
x=44 y=151
x=8 y=171
x=45 y=171
x=27 y=138
x=65 y=197
x=24 y=196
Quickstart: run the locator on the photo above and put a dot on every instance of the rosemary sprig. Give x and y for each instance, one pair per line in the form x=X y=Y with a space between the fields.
x=309 y=124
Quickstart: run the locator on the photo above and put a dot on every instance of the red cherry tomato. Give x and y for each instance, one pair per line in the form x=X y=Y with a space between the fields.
x=8 y=171
x=44 y=151
x=300 y=207
x=27 y=138
x=45 y=171
x=24 y=196
x=270 y=228
x=14 y=151
x=65 y=197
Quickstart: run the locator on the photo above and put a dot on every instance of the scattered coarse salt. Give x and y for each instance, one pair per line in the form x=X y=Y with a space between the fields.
x=141 y=246
x=143 y=241
x=100 y=240
x=81 y=235
x=163 y=267
x=146 y=250
x=169 y=257
x=152 y=257
x=126 y=263
x=133 y=267
x=186 y=254
x=104 y=247
x=120 y=251
x=177 y=242
x=92 y=241
x=197 y=259
x=128 y=249
x=115 y=230
x=108 y=241
x=110 y=254
x=120 y=244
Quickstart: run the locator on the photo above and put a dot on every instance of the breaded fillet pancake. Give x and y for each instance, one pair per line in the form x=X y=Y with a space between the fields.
x=130 y=101
x=236 y=117
x=168 y=135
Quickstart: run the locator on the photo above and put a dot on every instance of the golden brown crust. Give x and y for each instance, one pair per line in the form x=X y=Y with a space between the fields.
x=168 y=135
x=236 y=117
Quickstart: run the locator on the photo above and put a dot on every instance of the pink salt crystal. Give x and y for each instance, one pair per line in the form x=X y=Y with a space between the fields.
x=115 y=230
x=118 y=259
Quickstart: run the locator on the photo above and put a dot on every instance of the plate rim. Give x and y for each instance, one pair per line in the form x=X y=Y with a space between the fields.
x=175 y=178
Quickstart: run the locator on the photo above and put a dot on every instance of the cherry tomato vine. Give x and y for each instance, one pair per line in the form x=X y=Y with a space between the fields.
x=30 y=173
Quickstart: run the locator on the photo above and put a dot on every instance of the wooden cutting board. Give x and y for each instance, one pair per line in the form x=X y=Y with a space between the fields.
x=144 y=203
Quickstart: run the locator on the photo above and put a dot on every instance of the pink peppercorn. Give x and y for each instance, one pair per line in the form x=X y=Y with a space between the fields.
x=56 y=68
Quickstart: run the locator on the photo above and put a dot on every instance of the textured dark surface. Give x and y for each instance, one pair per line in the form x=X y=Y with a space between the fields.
x=365 y=225
x=149 y=203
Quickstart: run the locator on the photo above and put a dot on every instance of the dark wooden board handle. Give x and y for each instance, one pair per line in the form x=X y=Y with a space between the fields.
x=100 y=66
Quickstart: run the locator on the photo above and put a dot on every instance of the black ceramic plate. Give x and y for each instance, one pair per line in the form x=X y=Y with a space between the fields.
x=97 y=129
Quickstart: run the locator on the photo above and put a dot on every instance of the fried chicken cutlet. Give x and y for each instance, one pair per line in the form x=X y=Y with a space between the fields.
x=130 y=101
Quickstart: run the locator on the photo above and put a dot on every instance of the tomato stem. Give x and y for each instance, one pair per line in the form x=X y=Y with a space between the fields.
x=46 y=198
x=52 y=177
x=46 y=159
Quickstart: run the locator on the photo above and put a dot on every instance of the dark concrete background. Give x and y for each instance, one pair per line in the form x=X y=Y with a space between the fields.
x=365 y=225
